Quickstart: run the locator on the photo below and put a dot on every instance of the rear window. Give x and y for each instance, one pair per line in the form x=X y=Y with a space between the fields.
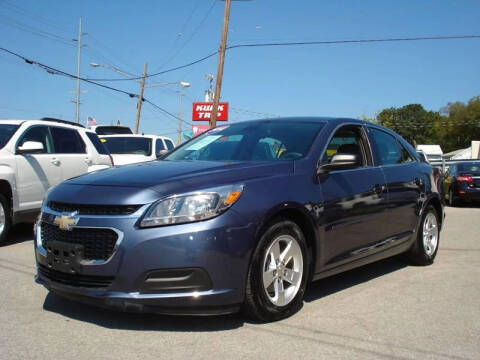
x=113 y=130
x=469 y=168
x=6 y=132
x=128 y=145
x=101 y=149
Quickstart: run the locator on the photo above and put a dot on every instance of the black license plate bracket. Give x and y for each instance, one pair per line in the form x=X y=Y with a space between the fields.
x=64 y=257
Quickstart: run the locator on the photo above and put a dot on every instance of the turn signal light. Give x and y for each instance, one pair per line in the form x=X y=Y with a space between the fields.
x=232 y=197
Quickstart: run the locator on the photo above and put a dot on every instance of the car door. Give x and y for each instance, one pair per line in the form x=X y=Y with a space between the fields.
x=70 y=150
x=36 y=173
x=405 y=182
x=354 y=199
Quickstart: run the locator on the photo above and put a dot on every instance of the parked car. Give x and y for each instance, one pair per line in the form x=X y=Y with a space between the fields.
x=243 y=216
x=111 y=130
x=462 y=182
x=130 y=149
x=36 y=155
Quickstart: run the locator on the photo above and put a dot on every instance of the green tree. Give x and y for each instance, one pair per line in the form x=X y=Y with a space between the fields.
x=460 y=126
x=411 y=121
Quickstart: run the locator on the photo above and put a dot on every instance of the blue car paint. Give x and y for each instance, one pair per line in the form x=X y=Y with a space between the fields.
x=223 y=246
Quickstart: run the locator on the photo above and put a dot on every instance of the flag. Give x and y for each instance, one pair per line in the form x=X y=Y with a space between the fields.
x=91 y=121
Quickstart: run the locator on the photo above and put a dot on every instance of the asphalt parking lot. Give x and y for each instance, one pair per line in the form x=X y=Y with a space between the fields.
x=386 y=310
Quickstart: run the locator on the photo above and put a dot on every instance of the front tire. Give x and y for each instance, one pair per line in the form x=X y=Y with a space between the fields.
x=425 y=248
x=278 y=273
x=5 y=218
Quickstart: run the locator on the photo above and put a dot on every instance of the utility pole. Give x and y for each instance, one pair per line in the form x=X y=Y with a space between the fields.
x=180 y=116
x=221 y=59
x=140 y=98
x=79 y=58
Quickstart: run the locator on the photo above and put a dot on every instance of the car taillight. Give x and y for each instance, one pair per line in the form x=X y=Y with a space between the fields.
x=465 y=178
x=111 y=159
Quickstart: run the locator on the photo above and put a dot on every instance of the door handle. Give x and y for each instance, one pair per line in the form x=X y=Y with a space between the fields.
x=88 y=160
x=55 y=161
x=377 y=189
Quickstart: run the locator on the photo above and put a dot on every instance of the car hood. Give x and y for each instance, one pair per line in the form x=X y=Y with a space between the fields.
x=167 y=177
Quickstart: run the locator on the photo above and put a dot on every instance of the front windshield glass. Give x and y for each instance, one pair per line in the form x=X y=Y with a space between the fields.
x=469 y=168
x=6 y=132
x=251 y=141
x=128 y=145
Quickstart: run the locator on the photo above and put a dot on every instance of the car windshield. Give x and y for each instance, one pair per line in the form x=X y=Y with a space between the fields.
x=469 y=168
x=128 y=145
x=251 y=141
x=6 y=132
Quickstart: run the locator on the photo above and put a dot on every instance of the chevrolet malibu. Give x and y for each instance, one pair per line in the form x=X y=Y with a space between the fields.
x=243 y=216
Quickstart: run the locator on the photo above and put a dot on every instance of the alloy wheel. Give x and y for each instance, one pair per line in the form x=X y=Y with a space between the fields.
x=282 y=270
x=2 y=219
x=430 y=234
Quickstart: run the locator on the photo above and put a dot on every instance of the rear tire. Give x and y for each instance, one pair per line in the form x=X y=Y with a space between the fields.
x=278 y=274
x=5 y=218
x=425 y=248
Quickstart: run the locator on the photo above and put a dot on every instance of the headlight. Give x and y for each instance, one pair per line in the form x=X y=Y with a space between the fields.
x=185 y=208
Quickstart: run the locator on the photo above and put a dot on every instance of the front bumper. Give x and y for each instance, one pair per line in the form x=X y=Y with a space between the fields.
x=219 y=247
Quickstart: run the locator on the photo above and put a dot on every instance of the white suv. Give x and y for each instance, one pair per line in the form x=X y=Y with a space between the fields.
x=130 y=149
x=38 y=154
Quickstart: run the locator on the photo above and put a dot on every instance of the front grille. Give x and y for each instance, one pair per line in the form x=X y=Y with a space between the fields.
x=86 y=209
x=76 y=279
x=98 y=244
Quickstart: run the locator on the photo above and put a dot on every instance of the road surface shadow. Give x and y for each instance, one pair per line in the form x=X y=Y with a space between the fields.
x=154 y=322
x=336 y=283
x=141 y=322
x=19 y=233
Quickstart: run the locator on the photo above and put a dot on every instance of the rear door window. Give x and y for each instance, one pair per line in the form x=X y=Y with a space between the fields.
x=169 y=144
x=67 y=141
x=387 y=149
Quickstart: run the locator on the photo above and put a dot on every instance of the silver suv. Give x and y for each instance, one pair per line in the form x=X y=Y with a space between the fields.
x=38 y=154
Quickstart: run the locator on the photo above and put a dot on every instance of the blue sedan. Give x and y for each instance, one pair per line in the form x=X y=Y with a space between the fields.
x=242 y=217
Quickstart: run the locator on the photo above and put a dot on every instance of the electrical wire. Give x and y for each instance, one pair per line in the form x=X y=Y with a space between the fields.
x=304 y=43
x=195 y=31
x=55 y=71
x=166 y=112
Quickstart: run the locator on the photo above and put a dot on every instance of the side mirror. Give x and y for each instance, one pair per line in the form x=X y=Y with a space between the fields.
x=162 y=153
x=340 y=162
x=30 y=147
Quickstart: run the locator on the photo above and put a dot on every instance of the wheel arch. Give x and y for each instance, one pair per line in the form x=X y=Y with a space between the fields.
x=438 y=206
x=6 y=190
x=300 y=216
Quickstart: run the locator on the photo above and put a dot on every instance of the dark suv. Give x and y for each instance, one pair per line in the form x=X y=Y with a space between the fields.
x=242 y=216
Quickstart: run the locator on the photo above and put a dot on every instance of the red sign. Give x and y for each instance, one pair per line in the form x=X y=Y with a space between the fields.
x=202 y=111
x=198 y=129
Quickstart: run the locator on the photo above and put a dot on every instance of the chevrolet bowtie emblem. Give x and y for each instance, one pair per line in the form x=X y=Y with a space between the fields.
x=66 y=221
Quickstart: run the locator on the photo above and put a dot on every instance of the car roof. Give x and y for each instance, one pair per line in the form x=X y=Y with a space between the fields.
x=133 y=136
x=60 y=123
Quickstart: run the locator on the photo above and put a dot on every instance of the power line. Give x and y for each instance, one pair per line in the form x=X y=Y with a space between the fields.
x=55 y=71
x=166 y=112
x=191 y=35
x=304 y=43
